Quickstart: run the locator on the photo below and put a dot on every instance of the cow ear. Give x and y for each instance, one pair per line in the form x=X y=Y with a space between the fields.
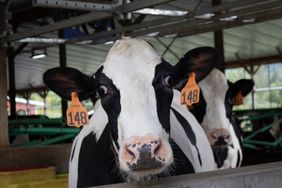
x=245 y=86
x=64 y=80
x=199 y=60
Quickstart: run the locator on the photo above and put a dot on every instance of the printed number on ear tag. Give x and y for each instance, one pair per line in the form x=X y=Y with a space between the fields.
x=190 y=94
x=77 y=115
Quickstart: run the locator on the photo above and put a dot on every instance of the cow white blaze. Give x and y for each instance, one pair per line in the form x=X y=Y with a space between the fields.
x=215 y=116
x=138 y=118
x=215 y=123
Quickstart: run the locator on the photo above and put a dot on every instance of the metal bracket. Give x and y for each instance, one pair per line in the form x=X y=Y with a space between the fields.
x=167 y=47
x=279 y=51
x=77 y=5
x=242 y=64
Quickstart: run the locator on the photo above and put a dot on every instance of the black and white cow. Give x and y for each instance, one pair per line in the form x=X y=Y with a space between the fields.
x=214 y=113
x=139 y=129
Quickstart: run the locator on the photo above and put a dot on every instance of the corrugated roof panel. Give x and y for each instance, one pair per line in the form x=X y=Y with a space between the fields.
x=249 y=41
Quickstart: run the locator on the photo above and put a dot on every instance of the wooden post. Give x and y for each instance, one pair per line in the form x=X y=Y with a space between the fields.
x=252 y=73
x=63 y=63
x=4 y=137
x=12 y=84
x=219 y=42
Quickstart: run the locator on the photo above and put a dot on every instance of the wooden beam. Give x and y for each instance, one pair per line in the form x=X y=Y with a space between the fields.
x=254 y=61
x=4 y=137
x=34 y=89
x=186 y=30
x=20 y=48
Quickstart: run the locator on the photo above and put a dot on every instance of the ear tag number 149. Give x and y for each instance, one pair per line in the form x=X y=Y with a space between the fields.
x=77 y=115
x=190 y=94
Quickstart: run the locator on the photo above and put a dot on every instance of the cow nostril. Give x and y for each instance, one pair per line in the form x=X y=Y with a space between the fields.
x=227 y=137
x=130 y=153
x=214 y=137
x=157 y=148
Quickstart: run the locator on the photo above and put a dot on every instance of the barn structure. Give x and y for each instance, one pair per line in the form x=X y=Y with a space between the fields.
x=36 y=35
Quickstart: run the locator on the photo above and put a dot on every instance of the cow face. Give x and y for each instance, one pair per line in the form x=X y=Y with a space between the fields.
x=135 y=89
x=215 y=110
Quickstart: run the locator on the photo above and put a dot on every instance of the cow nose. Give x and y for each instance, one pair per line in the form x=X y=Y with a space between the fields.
x=144 y=153
x=219 y=137
x=222 y=140
x=151 y=148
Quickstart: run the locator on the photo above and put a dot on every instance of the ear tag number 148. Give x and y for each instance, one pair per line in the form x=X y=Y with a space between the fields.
x=77 y=115
x=190 y=94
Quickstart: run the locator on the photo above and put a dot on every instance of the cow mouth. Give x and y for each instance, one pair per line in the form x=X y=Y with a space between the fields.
x=146 y=169
x=220 y=153
x=143 y=175
x=146 y=162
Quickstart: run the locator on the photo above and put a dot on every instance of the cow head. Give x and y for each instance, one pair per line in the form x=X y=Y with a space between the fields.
x=135 y=88
x=214 y=111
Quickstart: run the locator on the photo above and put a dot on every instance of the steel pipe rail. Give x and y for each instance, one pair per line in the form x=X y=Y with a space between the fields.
x=42 y=131
x=55 y=140
x=44 y=121
x=257 y=176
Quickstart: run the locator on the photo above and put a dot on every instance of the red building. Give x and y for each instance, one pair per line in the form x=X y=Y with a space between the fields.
x=24 y=107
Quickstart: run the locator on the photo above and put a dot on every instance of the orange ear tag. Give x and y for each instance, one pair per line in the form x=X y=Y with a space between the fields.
x=77 y=115
x=238 y=99
x=190 y=94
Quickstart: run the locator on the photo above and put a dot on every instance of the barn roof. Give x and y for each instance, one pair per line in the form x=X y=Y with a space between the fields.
x=252 y=32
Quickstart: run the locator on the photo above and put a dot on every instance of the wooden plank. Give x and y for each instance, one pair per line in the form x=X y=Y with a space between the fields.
x=23 y=176
x=4 y=139
x=27 y=158
x=55 y=183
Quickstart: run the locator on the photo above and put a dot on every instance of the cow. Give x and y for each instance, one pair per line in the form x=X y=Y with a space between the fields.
x=214 y=113
x=139 y=129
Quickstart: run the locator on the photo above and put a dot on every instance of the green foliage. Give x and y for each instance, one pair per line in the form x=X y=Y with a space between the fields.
x=53 y=104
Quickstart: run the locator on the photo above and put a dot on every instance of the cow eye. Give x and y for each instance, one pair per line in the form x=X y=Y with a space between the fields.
x=101 y=91
x=168 y=81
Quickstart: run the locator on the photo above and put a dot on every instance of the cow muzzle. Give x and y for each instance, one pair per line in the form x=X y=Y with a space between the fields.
x=146 y=155
x=221 y=142
x=219 y=138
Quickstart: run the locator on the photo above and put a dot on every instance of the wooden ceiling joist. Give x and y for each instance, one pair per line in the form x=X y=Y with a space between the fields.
x=254 y=61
